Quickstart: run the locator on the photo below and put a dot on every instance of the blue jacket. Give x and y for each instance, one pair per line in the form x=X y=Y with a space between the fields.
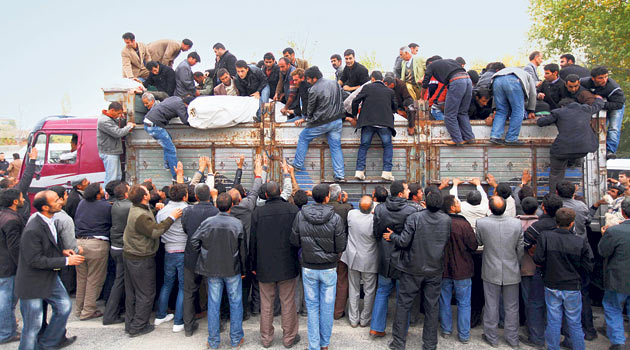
x=93 y=219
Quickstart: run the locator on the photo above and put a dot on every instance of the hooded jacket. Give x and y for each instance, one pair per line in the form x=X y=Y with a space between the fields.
x=319 y=231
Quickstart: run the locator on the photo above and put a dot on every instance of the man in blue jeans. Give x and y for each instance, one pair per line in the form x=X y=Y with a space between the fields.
x=156 y=120
x=562 y=256
x=320 y=232
x=514 y=93
x=108 y=140
x=600 y=84
x=378 y=105
x=615 y=248
x=174 y=240
x=220 y=240
x=324 y=117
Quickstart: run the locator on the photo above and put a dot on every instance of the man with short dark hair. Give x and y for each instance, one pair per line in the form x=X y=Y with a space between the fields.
x=108 y=140
x=337 y=64
x=184 y=82
x=227 y=86
x=600 y=84
x=251 y=81
x=283 y=87
x=405 y=106
x=567 y=62
x=378 y=106
x=319 y=231
x=24 y=184
x=37 y=280
x=323 y=117
x=205 y=84
x=502 y=239
x=551 y=89
x=272 y=72
x=338 y=200
x=575 y=91
x=93 y=222
x=275 y=264
x=476 y=204
x=423 y=238
x=134 y=57
x=141 y=242
x=354 y=73
x=224 y=59
x=162 y=78
x=566 y=191
x=535 y=60
x=192 y=218
x=575 y=136
x=222 y=239
x=480 y=105
x=295 y=62
x=563 y=258
x=297 y=103
x=11 y=226
x=614 y=247
x=165 y=51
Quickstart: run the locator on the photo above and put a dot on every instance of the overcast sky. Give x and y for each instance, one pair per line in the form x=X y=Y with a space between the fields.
x=68 y=50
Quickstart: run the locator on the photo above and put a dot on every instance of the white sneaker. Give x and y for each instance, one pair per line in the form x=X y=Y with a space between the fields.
x=359 y=175
x=178 y=328
x=387 y=175
x=168 y=317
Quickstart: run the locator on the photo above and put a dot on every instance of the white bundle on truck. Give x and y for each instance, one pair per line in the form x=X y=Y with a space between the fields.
x=212 y=112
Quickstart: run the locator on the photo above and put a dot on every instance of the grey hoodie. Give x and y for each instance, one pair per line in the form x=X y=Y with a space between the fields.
x=175 y=238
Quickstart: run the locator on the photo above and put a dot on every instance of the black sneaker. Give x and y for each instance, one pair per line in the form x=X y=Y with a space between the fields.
x=291 y=163
x=610 y=155
x=590 y=336
x=146 y=330
x=189 y=333
x=497 y=141
x=487 y=341
x=566 y=344
x=66 y=342
x=295 y=341
x=339 y=179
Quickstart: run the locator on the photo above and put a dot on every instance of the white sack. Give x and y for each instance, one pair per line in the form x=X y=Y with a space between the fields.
x=210 y=112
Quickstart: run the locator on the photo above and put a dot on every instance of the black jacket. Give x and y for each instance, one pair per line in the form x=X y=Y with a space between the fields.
x=422 y=242
x=356 y=75
x=533 y=232
x=254 y=81
x=564 y=258
x=272 y=78
x=458 y=260
x=574 y=69
x=378 y=108
x=554 y=92
x=120 y=212
x=271 y=254
x=11 y=226
x=319 y=231
x=192 y=217
x=163 y=81
x=227 y=61
x=391 y=214
x=442 y=71
x=615 y=248
x=220 y=242
x=300 y=103
x=477 y=111
x=163 y=112
x=74 y=198
x=325 y=103
x=23 y=186
x=611 y=92
x=575 y=135
x=93 y=219
x=41 y=259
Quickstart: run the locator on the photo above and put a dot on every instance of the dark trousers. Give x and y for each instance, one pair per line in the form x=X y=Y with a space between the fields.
x=342 y=289
x=117 y=293
x=535 y=308
x=409 y=286
x=456 y=118
x=559 y=165
x=192 y=282
x=68 y=276
x=139 y=293
x=251 y=294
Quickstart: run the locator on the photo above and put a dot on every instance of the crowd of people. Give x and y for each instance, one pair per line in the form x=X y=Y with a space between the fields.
x=281 y=250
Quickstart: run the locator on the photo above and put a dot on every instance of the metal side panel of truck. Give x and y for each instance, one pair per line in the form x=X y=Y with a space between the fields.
x=421 y=158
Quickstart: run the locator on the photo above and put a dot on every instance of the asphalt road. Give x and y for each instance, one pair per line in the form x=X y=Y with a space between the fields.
x=94 y=336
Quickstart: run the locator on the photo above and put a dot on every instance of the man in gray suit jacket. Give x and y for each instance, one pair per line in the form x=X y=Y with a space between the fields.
x=502 y=238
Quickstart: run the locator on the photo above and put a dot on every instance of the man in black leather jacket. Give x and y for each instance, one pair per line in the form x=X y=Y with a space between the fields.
x=421 y=262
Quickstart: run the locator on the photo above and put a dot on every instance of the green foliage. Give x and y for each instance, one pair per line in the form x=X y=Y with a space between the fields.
x=370 y=62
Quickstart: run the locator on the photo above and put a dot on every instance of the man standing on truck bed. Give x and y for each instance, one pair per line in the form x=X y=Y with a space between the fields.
x=108 y=139
x=134 y=56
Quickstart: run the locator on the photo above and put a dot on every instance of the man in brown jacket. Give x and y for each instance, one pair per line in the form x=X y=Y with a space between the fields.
x=166 y=51
x=141 y=240
x=295 y=62
x=134 y=56
x=458 y=271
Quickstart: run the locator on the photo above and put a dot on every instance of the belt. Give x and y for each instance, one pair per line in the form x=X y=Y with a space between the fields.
x=90 y=237
x=148 y=122
x=459 y=76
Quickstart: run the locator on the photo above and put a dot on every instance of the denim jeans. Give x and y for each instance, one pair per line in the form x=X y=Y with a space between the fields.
x=32 y=314
x=320 y=287
x=111 y=162
x=264 y=98
x=379 y=311
x=332 y=131
x=613 y=312
x=463 y=289
x=508 y=95
x=456 y=105
x=164 y=139
x=367 y=132
x=8 y=326
x=437 y=113
x=614 y=120
x=234 y=286
x=173 y=268
x=569 y=303
x=533 y=291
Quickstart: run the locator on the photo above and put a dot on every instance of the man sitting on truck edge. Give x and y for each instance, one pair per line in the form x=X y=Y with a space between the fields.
x=108 y=140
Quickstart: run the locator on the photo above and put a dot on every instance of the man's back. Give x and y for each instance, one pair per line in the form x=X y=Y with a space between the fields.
x=325 y=102
x=378 y=108
x=361 y=253
x=171 y=107
x=574 y=69
x=221 y=241
x=120 y=213
x=184 y=82
x=192 y=217
x=581 y=214
x=174 y=238
x=502 y=240
x=564 y=258
x=11 y=226
x=615 y=248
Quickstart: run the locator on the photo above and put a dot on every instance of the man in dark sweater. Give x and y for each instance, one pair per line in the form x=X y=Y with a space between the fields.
x=563 y=258
x=378 y=105
x=600 y=84
x=453 y=75
x=551 y=90
x=161 y=78
x=567 y=62
x=458 y=271
x=192 y=218
x=93 y=221
x=75 y=196
x=338 y=200
x=354 y=73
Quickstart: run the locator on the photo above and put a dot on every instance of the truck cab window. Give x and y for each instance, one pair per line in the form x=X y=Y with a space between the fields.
x=62 y=148
x=40 y=145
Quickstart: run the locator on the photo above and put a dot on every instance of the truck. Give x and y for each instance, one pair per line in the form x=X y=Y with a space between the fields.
x=419 y=158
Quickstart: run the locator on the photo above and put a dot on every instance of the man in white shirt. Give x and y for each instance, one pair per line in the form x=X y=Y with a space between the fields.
x=476 y=204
